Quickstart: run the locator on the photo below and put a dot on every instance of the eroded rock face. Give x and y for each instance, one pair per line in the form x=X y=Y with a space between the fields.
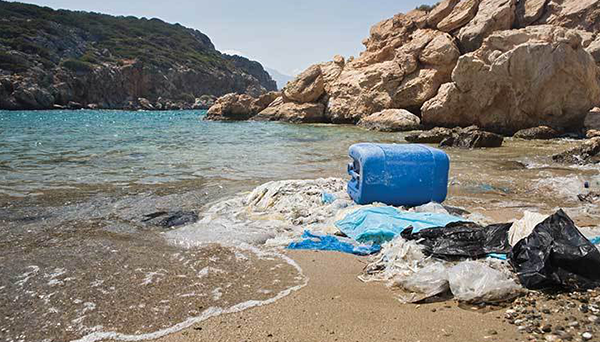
x=493 y=15
x=518 y=79
x=440 y=12
x=441 y=50
x=506 y=79
x=433 y=136
x=405 y=78
x=231 y=107
x=587 y=153
x=528 y=11
x=592 y=119
x=461 y=14
x=307 y=87
x=577 y=14
x=363 y=91
x=391 y=120
x=541 y=132
x=264 y=100
x=292 y=112
x=239 y=107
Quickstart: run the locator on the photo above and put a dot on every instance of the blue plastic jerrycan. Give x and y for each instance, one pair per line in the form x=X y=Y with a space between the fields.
x=398 y=174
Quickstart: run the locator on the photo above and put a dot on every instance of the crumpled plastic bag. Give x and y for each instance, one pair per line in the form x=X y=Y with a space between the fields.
x=556 y=254
x=476 y=282
x=425 y=283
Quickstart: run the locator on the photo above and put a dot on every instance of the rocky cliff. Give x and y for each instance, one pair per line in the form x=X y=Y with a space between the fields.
x=54 y=59
x=504 y=65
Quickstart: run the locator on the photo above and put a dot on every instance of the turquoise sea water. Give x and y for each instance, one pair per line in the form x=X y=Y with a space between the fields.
x=52 y=150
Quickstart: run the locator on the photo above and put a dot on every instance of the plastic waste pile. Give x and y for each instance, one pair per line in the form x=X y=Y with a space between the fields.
x=427 y=252
x=461 y=258
x=422 y=250
x=556 y=254
x=300 y=202
x=406 y=265
x=271 y=215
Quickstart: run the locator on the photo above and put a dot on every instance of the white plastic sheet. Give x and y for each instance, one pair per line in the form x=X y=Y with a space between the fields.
x=425 y=283
x=473 y=281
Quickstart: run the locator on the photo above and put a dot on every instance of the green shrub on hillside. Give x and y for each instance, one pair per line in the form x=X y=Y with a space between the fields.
x=149 y=40
x=12 y=62
x=427 y=8
x=77 y=65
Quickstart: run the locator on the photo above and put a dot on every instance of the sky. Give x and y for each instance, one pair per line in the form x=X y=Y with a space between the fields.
x=286 y=35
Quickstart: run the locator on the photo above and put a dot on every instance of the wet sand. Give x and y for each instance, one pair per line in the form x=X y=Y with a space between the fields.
x=337 y=306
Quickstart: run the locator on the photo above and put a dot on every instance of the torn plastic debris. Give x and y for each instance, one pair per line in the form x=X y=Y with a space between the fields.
x=431 y=207
x=477 y=282
x=332 y=243
x=595 y=241
x=427 y=282
x=556 y=254
x=381 y=224
x=327 y=198
x=462 y=240
x=398 y=259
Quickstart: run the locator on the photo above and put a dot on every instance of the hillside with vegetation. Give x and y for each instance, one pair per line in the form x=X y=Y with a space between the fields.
x=57 y=58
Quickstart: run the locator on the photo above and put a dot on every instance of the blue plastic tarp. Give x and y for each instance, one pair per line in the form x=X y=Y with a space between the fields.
x=331 y=243
x=596 y=240
x=378 y=225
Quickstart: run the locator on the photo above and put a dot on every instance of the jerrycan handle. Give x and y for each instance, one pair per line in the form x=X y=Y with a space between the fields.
x=352 y=172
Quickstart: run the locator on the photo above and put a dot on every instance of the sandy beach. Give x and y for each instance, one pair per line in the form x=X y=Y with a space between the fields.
x=337 y=306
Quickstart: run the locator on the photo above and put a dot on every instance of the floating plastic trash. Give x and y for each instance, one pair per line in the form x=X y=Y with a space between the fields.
x=331 y=243
x=381 y=224
x=398 y=174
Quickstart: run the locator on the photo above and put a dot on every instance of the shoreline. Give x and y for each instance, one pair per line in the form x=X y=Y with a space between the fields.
x=337 y=306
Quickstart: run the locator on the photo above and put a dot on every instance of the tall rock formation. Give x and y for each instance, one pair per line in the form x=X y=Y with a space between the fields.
x=504 y=65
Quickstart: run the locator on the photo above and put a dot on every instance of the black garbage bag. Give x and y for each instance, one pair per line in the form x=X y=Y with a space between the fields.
x=462 y=240
x=556 y=255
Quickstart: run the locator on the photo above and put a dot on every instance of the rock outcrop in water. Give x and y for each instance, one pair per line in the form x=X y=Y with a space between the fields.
x=239 y=107
x=587 y=153
x=469 y=137
x=541 y=132
x=63 y=59
x=503 y=65
x=391 y=120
